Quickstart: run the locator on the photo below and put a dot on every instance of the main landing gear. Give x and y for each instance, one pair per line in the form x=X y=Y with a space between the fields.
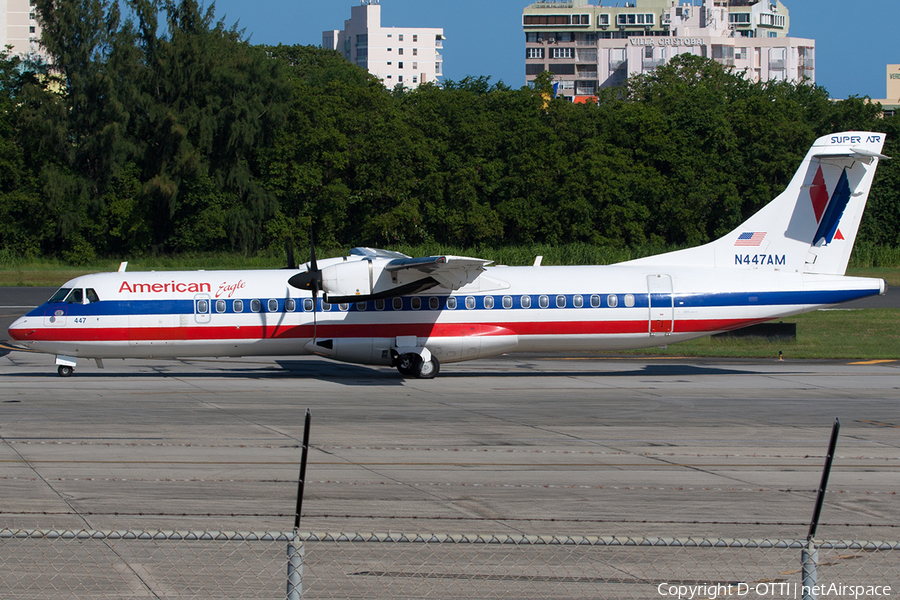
x=65 y=370
x=65 y=365
x=416 y=365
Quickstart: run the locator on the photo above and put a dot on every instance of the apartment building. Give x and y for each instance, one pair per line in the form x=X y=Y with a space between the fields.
x=19 y=27
x=591 y=46
x=407 y=56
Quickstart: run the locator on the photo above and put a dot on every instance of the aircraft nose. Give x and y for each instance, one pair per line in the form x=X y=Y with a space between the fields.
x=19 y=330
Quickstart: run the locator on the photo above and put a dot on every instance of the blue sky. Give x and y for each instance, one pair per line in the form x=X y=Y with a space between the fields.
x=855 y=39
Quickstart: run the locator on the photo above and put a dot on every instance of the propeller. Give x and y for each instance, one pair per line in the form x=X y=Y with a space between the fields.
x=310 y=280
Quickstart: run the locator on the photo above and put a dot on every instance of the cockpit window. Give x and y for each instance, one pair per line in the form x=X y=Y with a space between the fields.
x=76 y=296
x=92 y=295
x=60 y=295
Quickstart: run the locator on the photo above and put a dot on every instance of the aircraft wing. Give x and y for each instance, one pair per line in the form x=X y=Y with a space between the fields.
x=451 y=272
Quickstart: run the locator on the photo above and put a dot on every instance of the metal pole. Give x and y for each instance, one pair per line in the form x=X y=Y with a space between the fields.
x=295 y=546
x=302 y=482
x=295 y=568
x=820 y=496
x=809 y=556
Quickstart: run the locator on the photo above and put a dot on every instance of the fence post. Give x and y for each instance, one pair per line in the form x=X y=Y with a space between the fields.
x=295 y=568
x=809 y=556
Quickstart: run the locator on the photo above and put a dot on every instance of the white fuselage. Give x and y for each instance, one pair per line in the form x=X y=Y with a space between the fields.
x=530 y=309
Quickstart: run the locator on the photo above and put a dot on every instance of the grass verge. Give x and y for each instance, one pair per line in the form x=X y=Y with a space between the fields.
x=869 y=334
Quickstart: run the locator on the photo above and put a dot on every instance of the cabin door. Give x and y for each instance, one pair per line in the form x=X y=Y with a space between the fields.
x=662 y=304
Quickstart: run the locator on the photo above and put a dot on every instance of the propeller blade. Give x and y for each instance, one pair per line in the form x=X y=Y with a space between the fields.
x=289 y=250
x=306 y=280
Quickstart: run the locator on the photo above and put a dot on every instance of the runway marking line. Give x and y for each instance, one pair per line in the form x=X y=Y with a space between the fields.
x=874 y=362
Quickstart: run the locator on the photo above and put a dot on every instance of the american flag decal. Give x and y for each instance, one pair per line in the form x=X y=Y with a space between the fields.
x=750 y=238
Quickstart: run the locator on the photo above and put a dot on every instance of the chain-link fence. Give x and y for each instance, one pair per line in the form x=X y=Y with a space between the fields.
x=94 y=564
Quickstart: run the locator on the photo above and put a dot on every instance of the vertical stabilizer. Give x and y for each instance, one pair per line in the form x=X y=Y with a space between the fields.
x=812 y=225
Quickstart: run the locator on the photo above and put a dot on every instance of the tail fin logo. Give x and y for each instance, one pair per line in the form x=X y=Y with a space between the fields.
x=828 y=213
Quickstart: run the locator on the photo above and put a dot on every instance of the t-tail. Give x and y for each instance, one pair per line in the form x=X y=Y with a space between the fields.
x=812 y=225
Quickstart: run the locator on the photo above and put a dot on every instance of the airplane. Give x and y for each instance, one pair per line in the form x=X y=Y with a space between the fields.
x=377 y=307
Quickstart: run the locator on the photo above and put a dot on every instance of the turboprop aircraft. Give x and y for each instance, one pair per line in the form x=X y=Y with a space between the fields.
x=377 y=307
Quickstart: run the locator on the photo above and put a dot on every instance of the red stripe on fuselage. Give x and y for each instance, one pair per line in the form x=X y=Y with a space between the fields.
x=384 y=330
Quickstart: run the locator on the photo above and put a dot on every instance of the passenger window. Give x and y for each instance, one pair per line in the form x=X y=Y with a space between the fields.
x=220 y=306
x=525 y=301
x=397 y=303
x=60 y=295
x=255 y=305
x=544 y=302
x=507 y=301
x=379 y=305
x=76 y=296
x=360 y=306
x=92 y=295
x=238 y=306
x=629 y=300
x=578 y=301
x=612 y=301
x=290 y=305
x=202 y=306
x=470 y=302
x=416 y=303
x=307 y=304
x=273 y=305
x=451 y=303
x=325 y=306
x=595 y=301
x=344 y=306
x=489 y=302
x=434 y=303
x=560 y=301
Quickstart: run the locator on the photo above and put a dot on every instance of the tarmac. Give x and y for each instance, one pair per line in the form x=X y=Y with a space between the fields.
x=577 y=444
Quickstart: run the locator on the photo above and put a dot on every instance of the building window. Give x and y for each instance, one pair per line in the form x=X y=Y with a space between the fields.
x=547 y=20
x=400 y=37
x=415 y=38
x=415 y=66
x=537 y=53
x=415 y=51
x=739 y=18
x=603 y=19
x=562 y=53
x=635 y=19
x=400 y=78
x=534 y=69
x=31 y=29
x=400 y=51
x=415 y=79
x=531 y=36
x=400 y=65
x=648 y=51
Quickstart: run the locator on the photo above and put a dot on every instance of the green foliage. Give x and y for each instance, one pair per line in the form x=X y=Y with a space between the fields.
x=149 y=140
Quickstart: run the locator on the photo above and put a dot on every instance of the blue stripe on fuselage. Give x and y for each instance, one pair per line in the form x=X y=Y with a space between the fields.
x=686 y=300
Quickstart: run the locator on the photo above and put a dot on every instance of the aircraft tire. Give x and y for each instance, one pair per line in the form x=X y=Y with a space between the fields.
x=65 y=371
x=428 y=369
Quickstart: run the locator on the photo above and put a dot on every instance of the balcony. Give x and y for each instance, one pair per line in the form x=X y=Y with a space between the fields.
x=615 y=64
x=587 y=74
x=651 y=64
x=776 y=65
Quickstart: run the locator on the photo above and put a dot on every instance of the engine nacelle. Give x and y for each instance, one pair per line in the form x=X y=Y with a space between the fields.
x=353 y=278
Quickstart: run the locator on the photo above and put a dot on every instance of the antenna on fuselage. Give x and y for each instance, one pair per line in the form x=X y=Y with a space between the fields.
x=122 y=266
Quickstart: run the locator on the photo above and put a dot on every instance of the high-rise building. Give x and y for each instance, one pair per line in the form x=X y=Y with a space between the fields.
x=590 y=46
x=19 y=27
x=409 y=56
